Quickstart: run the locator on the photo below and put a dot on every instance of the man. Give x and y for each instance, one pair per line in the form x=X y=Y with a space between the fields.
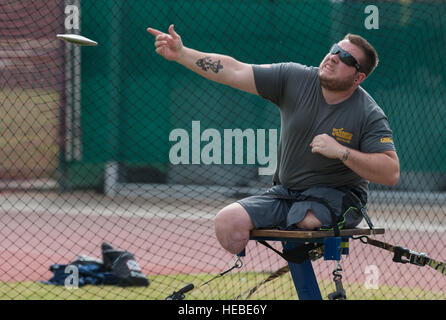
x=334 y=137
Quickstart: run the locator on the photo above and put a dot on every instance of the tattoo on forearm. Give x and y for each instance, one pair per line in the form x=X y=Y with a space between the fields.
x=345 y=155
x=206 y=63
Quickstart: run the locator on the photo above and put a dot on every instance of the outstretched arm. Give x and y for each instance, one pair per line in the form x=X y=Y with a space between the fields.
x=216 y=67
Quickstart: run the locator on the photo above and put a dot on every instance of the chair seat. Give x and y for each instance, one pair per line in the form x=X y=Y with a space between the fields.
x=308 y=234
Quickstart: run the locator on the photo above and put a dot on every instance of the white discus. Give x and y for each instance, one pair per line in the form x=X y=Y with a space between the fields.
x=77 y=39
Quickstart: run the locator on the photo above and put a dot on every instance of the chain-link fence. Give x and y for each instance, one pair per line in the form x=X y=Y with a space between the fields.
x=115 y=144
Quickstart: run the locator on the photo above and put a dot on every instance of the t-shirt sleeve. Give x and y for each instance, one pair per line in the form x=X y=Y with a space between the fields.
x=378 y=135
x=271 y=82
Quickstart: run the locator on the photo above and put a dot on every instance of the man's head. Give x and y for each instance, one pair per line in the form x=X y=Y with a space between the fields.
x=347 y=64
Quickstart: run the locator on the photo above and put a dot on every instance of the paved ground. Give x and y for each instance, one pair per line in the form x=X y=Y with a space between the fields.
x=176 y=236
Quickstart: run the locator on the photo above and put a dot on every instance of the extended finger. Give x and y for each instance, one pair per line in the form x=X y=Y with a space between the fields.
x=172 y=32
x=154 y=32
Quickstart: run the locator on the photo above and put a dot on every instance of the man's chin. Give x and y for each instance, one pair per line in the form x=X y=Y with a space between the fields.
x=332 y=84
x=327 y=82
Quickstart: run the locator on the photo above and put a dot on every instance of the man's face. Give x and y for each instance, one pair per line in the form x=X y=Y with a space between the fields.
x=334 y=74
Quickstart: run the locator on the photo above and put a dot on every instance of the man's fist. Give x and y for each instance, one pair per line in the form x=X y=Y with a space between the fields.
x=327 y=146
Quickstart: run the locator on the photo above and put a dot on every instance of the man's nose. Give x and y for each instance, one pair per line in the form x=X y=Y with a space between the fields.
x=334 y=57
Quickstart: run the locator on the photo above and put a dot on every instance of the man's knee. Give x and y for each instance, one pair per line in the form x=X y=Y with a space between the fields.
x=232 y=226
x=234 y=216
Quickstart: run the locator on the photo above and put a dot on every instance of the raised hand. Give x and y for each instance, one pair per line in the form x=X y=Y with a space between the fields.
x=167 y=45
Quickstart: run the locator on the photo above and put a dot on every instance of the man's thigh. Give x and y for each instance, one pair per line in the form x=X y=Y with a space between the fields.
x=276 y=209
x=265 y=211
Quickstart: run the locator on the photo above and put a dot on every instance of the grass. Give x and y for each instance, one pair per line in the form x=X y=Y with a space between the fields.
x=225 y=288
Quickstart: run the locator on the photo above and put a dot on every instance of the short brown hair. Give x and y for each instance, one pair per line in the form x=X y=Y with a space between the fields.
x=371 y=56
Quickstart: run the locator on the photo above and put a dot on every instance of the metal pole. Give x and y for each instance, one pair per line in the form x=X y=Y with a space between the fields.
x=303 y=277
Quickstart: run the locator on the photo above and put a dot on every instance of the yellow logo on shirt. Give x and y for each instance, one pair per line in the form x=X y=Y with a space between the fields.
x=342 y=135
x=386 y=140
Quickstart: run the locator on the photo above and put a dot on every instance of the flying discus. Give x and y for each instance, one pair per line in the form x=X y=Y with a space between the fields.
x=77 y=39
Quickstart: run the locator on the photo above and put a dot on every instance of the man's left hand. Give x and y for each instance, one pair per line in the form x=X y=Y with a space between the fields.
x=327 y=146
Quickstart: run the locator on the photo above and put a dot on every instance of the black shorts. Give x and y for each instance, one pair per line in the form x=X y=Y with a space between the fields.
x=282 y=208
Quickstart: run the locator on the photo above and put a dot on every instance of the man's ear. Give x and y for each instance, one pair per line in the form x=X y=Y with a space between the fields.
x=360 y=77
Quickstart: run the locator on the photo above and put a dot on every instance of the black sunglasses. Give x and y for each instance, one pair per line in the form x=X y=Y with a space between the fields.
x=345 y=57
